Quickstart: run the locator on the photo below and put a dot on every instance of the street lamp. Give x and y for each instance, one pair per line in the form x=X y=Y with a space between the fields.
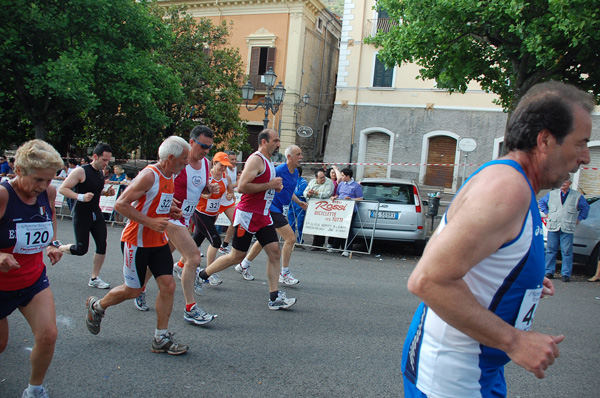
x=271 y=101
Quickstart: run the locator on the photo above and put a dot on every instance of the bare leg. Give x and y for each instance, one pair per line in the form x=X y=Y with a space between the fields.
x=98 y=261
x=3 y=334
x=164 y=300
x=254 y=251
x=119 y=294
x=226 y=261
x=289 y=237
x=596 y=277
x=273 y=266
x=181 y=239
x=211 y=254
x=41 y=316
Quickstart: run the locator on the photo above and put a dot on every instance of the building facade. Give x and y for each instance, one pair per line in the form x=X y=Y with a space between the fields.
x=299 y=39
x=408 y=126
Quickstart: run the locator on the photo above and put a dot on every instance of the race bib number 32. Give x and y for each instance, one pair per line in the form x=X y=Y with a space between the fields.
x=164 y=206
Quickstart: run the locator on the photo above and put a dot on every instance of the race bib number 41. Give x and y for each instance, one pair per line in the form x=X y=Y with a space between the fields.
x=33 y=237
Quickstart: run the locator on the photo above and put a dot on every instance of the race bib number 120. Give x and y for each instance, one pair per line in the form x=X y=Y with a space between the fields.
x=33 y=237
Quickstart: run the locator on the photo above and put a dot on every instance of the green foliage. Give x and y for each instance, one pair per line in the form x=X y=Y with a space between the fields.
x=210 y=75
x=506 y=46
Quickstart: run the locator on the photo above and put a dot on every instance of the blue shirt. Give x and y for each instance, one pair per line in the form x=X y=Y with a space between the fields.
x=5 y=168
x=582 y=204
x=284 y=197
x=351 y=189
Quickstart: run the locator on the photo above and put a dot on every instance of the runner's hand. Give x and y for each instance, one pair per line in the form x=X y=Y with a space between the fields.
x=8 y=262
x=53 y=254
x=214 y=188
x=88 y=196
x=159 y=224
x=276 y=184
x=175 y=212
x=535 y=352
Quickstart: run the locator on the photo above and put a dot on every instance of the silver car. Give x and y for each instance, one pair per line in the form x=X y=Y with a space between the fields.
x=392 y=211
x=586 y=239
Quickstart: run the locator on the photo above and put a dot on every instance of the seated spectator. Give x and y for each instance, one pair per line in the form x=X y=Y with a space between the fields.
x=119 y=175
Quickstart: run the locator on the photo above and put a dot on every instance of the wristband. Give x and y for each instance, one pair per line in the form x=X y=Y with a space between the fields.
x=80 y=197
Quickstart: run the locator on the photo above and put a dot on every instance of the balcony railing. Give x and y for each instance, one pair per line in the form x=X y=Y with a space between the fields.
x=379 y=25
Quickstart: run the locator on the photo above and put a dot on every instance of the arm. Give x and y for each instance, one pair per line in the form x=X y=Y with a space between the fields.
x=136 y=190
x=7 y=261
x=255 y=166
x=300 y=203
x=52 y=252
x=543 y=203
x=583 y=207
x=77 y=176
x=438 y=277
x=229 y=195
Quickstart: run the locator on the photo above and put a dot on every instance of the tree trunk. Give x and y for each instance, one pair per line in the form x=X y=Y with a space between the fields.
x=40 y=129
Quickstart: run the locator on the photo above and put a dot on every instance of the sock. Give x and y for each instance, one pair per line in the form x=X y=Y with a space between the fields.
x=245 y=263
x=158 y=333
x=188 y=307
x=93 y=279
x=144 y=289
x=274 y=295
x=225 y=244
x=285 y=270
x=203 y=275
x=98 y=307
x=179 y=264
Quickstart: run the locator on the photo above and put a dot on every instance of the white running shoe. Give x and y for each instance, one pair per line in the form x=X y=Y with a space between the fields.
x=245 y=272
x=214 y=280
x=39 y=393
x=197 y=316
x=224 y=250
x=199 y=283
x=281 y=302
x=177 y=270
x=98 y=283
x=288 y=279
x=140 y=302
x=346 y=253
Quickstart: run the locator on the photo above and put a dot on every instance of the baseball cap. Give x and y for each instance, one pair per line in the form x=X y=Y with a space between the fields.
x=222 y=158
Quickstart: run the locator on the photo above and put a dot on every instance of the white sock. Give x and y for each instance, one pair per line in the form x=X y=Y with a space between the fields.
x=98 y=307
x=33 y=388
x=246 y=263
x=285 y=270
x=158 y=333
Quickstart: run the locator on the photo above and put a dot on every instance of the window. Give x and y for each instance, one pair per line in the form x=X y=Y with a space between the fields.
x=382 y=76
x=262 y=58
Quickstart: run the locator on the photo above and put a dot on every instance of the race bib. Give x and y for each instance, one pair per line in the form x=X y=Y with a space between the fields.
x=213 y=205
x=164 y=206
x=188 y=208
x=528 y=307
x=269 y=195
x=33 y=237
x=286 y=209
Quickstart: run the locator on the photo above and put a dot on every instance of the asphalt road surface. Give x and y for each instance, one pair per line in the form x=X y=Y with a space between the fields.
x=343 y=338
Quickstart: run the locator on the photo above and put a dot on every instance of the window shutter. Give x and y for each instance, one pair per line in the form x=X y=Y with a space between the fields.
x=271 y=58
x=254 y=61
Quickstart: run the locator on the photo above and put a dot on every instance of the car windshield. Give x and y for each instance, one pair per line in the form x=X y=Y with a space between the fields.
x=592 y=199
x=384 y=192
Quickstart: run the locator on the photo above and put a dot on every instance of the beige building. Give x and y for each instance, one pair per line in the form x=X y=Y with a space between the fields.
x=412 y=128
x=299 y=39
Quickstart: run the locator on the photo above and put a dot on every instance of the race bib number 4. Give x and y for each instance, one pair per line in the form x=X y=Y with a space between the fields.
x=188 y=208
x=33 y=237
x=528 y=307
x=164 y=206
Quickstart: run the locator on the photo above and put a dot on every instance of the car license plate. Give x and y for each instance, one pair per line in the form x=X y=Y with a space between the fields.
x=392 y=215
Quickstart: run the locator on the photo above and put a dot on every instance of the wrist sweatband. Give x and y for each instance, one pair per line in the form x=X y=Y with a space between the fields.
x=80 y=197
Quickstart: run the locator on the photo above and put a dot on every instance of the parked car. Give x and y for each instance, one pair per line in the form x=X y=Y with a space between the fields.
x=392 y=211
x=586 y=239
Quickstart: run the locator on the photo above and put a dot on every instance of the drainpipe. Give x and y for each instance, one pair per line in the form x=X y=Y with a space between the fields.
x=362 y=34
x=321 y=88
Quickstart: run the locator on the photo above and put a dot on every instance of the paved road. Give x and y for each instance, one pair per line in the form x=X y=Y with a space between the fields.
x=342 y=339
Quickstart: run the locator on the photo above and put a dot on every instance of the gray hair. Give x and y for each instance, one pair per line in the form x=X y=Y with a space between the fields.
x=173 y=145
x=289 y=149
x=37 y=155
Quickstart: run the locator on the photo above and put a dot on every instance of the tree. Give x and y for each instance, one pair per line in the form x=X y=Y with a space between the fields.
x=506 y=46
x=210 y=74
x=92 y=59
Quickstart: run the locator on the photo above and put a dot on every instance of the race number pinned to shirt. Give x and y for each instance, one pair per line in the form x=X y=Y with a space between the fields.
x=286 y=209
x=164 y=206
x=529 y=305
x=213 y=205
x=187 y=208
x=269 y=196
x=33 y=237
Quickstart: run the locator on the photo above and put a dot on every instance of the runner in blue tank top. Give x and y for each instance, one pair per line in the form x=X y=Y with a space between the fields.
x=482 y=273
